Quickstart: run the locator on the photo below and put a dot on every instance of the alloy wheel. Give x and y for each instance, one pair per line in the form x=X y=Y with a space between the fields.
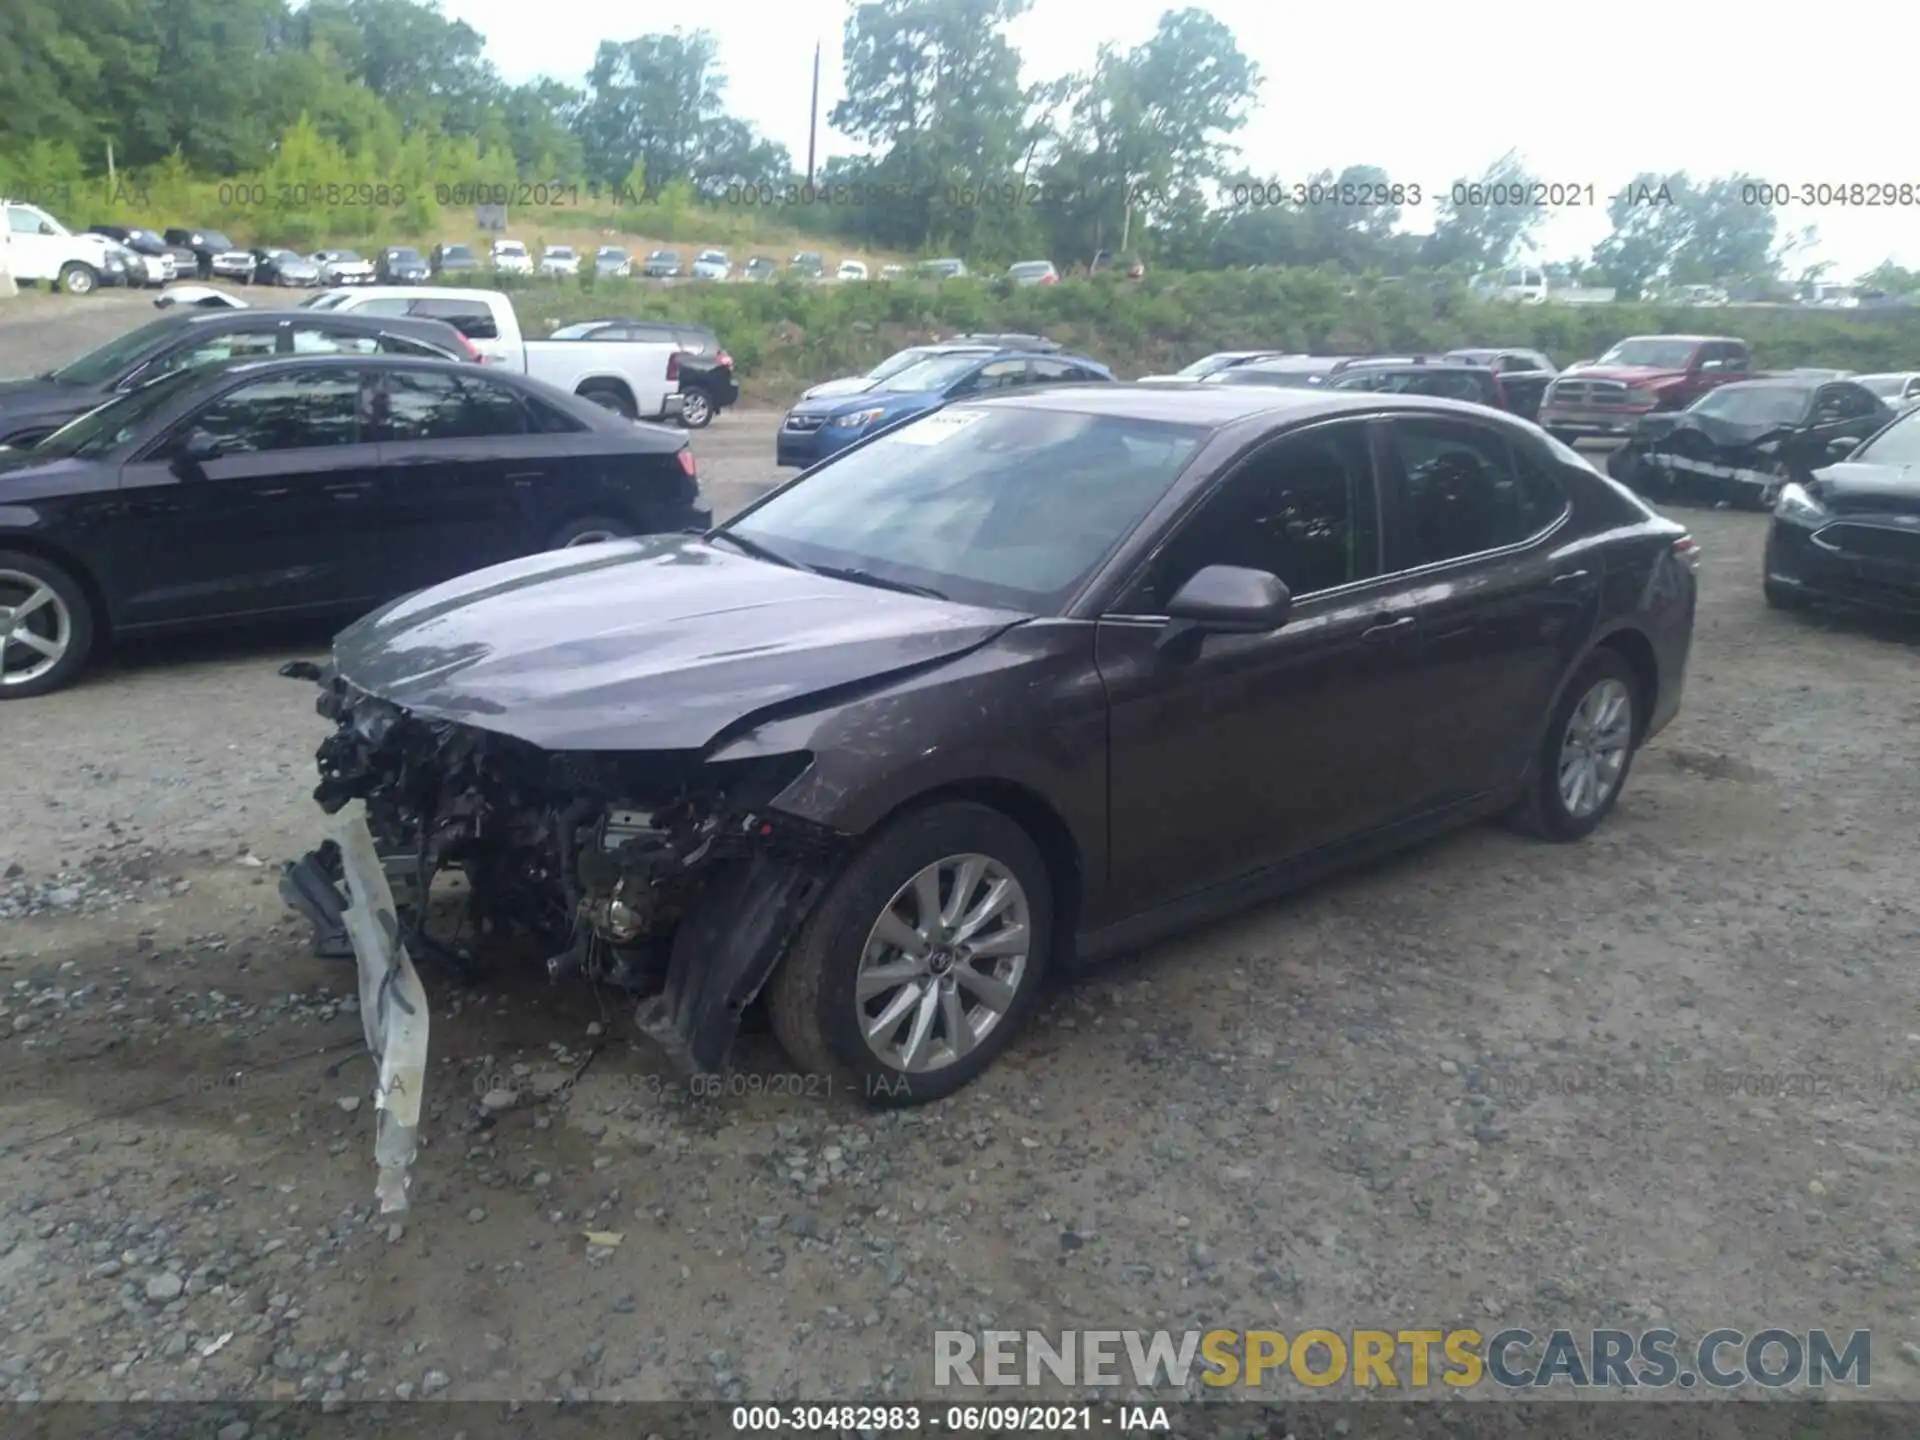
x=695 y=410
x=1593 y=752
x=943 y=963
x=36 y=628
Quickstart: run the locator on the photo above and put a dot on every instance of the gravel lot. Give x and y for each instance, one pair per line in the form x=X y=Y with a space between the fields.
x=1482 y=1084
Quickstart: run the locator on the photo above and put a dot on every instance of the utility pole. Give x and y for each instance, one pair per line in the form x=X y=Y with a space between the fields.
x=813 y=115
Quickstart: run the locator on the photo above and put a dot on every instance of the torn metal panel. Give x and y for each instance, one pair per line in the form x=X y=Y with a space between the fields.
x=393 y=1004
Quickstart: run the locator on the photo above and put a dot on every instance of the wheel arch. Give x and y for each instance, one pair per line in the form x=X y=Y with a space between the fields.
x=1638 y=652
x=82 y=574
x=1044 y=825
x=613 y=383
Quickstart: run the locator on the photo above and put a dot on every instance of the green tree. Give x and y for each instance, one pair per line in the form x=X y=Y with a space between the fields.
x=1484 y=221
x=1650 y=218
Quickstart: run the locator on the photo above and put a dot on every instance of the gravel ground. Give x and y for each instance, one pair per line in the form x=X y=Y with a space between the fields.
x=1485 y=1084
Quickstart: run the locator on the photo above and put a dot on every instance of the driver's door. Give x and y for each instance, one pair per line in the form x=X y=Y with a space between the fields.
x=279 y=521
x=1250 y=750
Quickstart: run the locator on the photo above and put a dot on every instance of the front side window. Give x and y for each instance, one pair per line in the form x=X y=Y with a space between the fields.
x=1462 y=493
x=1302 y=509
x=25 y=220
x=299 y=411
x=215 y=350
x=119 y=422
x=1006 y=507
x=428 y=405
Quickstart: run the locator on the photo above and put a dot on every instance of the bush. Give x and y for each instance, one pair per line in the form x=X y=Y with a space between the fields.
x=786 y=334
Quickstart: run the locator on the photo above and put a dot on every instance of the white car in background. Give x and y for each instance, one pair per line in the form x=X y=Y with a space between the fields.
x=559 y=260
x=850 y=270
x=1899 y=388
x=1034 y=272
x=343 y=267
x=712 y=265
x=510 y=257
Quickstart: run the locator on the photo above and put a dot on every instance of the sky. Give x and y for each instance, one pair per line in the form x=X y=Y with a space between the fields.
x=1431 y=93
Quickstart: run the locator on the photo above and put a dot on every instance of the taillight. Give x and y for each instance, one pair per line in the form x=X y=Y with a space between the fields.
x=473 y=350
x=673 y=366
x=687 y=463
x=723 y=359
x=1687 y=551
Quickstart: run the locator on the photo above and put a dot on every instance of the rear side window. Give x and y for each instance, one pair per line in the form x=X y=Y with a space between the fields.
x=400 y=345
x=381 y=305
x=471 y=320
x=315 y=340
x=301 y=411
x=429 y=405
x=214 y=349
x=1463 y=493
x=550 y=419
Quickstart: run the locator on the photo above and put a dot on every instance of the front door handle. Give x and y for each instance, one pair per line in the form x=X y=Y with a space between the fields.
x=1388 y=628
x=1571 y=577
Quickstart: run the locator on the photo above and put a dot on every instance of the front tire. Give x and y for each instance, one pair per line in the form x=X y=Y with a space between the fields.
x=78 y=279
x=46 y=626
x=924 y=959
x=1586 y=753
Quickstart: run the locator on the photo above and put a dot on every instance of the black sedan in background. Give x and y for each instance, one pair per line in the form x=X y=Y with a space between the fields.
x=1742 y=442
x=1019 y=682
x=315 y=484
x=31 y=409
x=1851 y=531
x=215 y=257
x=1524 y=375
x=402 y=265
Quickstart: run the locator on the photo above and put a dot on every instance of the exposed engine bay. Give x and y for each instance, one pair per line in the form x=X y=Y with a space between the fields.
x=662 y=874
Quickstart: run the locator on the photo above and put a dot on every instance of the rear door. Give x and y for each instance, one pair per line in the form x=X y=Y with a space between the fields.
x=1481 y=525
x=281 y=520
x=1841 y=410
x=461 y=473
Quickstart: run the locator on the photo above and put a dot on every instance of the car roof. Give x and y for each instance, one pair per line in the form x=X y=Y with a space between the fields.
x=1691 y=339
x=1218 y=406
x=1775 y=382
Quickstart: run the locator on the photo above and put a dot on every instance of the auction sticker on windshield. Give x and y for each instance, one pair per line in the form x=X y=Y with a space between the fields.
x=936 y=428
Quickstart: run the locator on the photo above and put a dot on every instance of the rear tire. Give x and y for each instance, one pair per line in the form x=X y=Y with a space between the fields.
x=815 y=1000
x=43 y=607
x=611 y=397
x=698 y=409
x=1602 y=683
x=589 y=530
x=78 y=279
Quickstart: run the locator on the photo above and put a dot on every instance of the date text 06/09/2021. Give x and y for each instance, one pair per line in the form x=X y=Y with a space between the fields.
x=949 y=1419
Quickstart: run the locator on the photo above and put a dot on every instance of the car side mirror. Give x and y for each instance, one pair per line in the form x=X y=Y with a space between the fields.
x=1840 y=447
x=196 y=450
x=1227 y=600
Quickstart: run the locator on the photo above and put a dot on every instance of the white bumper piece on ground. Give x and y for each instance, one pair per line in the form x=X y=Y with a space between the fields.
x=393 y=1006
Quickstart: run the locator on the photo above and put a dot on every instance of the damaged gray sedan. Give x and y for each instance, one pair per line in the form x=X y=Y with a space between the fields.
x=1016 y=683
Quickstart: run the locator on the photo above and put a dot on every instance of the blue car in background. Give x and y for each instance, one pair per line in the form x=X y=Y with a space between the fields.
x=815 y=429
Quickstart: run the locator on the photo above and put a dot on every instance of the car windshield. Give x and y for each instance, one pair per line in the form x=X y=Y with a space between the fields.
x=508 y=247
x=399 y=254
x=712 y=257
x=1031 y=267
x=99 y=367
x=608 y=252
x=214 y=240
x=560 y=252
x=118 y=422
x=935 y=373
x=1260 y=375
x=1011 y=508
x=1207 y=365
x=1656 y=354
x=898 y=361
x=344 y=257
x=1755 y=404
x=1898 y=444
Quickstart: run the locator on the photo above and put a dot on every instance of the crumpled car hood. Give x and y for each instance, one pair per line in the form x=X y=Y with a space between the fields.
x=655 y=644
x=1722 y=434
x=1860 y=487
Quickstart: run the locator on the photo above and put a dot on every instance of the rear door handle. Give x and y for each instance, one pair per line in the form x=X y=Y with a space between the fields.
x=1388 y=628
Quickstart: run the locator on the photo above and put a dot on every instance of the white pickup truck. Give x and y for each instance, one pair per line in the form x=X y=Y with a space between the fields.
x=639 y=379
x=45 y=251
